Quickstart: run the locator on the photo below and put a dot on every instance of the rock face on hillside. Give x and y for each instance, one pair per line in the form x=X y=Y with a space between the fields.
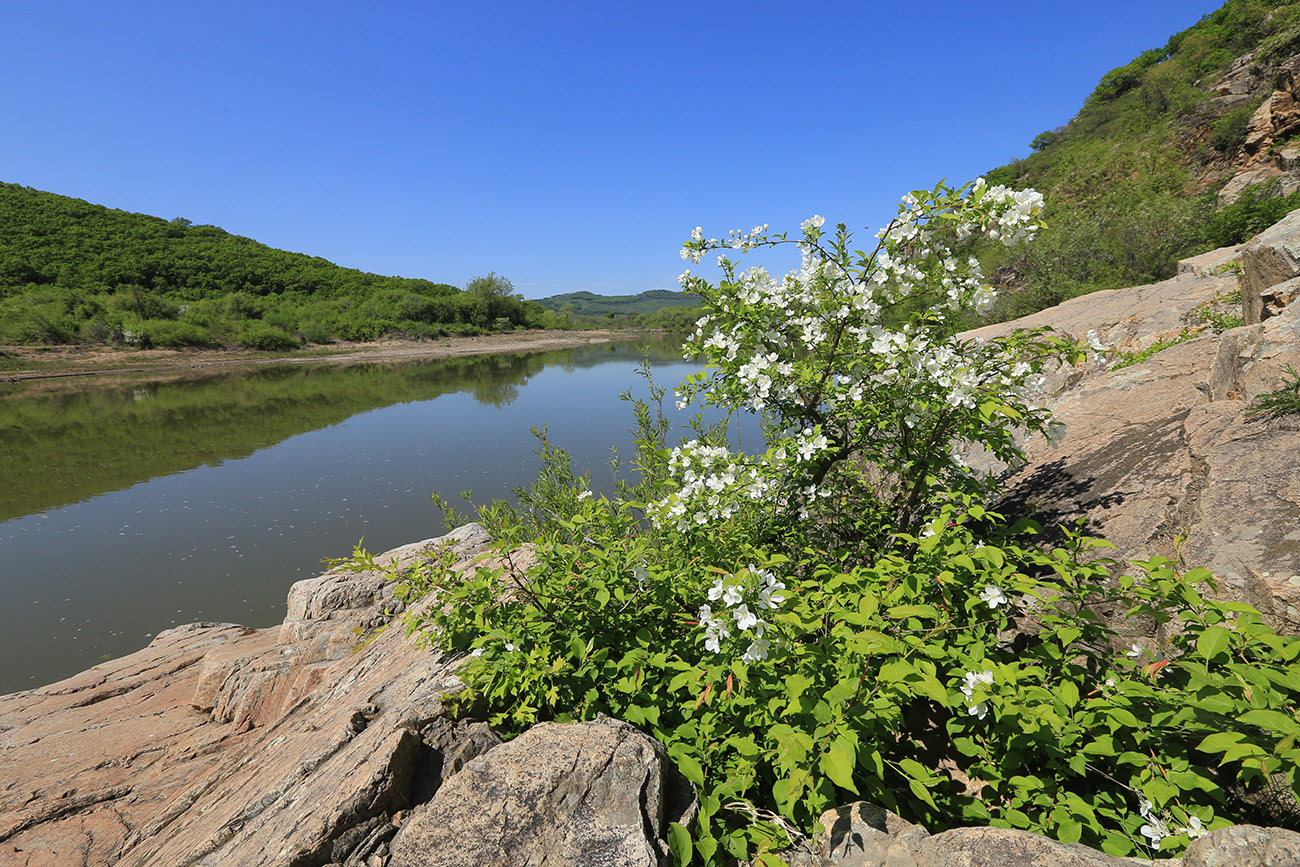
x=1275 y=121
x=1161 y=456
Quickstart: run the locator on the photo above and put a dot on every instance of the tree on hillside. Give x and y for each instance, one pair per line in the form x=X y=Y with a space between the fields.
x=493 y=286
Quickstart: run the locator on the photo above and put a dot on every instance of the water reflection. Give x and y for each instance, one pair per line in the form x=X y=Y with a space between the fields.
x=128 y=508
x=64 y=442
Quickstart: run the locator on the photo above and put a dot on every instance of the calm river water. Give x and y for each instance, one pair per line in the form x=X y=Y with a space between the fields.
x=129 y=508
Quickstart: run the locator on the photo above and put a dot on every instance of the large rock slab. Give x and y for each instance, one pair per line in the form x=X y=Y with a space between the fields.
x=1270 y=258
x=1244 y=846
x=1134 y=318
x=589 y=793
x=221 y=745
x=1161 y=457
x=865 y=835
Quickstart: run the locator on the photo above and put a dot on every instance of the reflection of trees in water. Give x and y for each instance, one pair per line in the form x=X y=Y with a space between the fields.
x=66 y=446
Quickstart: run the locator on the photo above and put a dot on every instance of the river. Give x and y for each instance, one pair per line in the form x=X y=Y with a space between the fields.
x=130 y=506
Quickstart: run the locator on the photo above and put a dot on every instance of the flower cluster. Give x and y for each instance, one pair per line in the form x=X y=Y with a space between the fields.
x=745 y=597
x=970 y=682
x=1156 y=828
x=714 y=482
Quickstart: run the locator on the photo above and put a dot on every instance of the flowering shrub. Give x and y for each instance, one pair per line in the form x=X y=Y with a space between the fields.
x=852 y=360
x=839 y=617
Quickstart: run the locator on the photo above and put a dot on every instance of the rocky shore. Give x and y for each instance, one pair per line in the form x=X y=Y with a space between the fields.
x=324 y=741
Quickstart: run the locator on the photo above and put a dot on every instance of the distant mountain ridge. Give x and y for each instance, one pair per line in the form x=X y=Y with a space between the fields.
x=644 y=303
x=75 y=272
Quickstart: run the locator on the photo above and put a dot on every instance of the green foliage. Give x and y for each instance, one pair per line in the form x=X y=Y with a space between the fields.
x=1221 y=312
x=1228 y=133
x=75 y=272
x=492 y=286
x=861 y=696
x=1128 y=359
x=645 y=303
x=1254 y=211
x=928 y=658
x=1044 y=139
x=261 y=335
x=1285 y=401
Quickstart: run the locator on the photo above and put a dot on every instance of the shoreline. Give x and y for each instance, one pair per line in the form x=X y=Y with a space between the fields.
x=58 y=362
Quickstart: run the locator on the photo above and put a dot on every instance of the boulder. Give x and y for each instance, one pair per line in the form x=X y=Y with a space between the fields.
x=589 y=793
x=1244 y=846
x=1270 y=258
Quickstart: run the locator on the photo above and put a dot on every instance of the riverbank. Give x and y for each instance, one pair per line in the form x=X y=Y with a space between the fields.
x=20 y=363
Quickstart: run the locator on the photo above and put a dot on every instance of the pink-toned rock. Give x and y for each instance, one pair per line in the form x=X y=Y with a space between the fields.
x=218 y=744
x=1160 y=457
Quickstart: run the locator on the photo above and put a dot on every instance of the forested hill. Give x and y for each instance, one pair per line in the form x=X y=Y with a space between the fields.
x=71 y=271
x=644 y=303
x=1185 y=148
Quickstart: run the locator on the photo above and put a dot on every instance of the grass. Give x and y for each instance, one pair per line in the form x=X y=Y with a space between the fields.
x=1128 y=359
x=1276 y=404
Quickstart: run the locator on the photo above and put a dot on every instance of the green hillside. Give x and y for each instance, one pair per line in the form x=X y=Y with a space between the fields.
x=644 y=303
x=71 y=271
x=1132 y=181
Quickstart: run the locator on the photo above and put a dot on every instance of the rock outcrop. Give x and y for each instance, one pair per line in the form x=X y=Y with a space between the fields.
x=1274 y=122
x=557 y=794
x=218 y=744
x=1161 y=457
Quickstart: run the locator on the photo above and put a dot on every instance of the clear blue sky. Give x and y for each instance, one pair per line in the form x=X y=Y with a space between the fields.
x=565 y=145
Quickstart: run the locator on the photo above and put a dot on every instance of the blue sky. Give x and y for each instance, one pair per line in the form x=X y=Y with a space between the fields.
x=565 y=145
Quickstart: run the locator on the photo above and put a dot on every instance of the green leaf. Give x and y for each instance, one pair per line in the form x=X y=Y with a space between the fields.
x=689 y=767
x=900 y=612
x=914 y=769
x=837 y=764
x=919 y=789
x=1219 y=742
x=1273 y=721
x=1069 y=693
x=795 y=685
x=1213 y=641
x=895 y=670
x=1069 y=830
x=679 y=844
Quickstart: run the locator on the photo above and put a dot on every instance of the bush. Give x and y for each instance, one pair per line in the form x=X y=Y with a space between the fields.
x=1254 y=211
x=260 y=335
x=839 y=617
x=162 y=332
x=1228 y=133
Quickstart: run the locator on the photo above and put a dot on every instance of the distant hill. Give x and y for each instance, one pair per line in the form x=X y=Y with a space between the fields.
x=1188 y=147
x=72 y=271
x=644 y=303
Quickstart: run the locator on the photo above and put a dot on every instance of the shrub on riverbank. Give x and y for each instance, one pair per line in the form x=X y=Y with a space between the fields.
x=839 y=616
